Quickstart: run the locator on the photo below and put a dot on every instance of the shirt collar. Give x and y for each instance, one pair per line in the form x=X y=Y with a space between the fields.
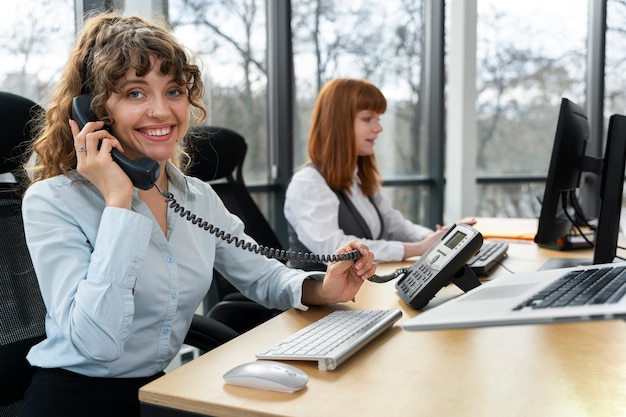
x=177 y=180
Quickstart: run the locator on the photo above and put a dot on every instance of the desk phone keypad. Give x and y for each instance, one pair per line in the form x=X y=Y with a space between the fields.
x=488 y=257
x=416 y=279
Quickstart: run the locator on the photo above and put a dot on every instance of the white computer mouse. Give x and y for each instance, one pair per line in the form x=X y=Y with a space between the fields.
x=267 y=375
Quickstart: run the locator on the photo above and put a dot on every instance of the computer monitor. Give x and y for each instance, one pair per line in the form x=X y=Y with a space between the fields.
x=611 y=170
x=611 y=191
x=561 y=217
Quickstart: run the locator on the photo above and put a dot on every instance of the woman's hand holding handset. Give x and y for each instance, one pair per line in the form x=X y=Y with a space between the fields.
x=93 y=146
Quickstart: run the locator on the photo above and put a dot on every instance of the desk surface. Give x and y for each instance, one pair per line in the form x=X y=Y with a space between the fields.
x=545 y=370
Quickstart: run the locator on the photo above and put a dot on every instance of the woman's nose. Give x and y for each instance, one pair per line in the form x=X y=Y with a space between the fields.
x=158 y=108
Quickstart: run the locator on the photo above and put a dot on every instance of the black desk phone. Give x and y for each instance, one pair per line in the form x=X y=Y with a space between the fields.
x=444 y=262
x=144 y=172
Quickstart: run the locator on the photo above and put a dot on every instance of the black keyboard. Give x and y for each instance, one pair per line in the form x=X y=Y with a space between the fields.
x=580 y=287
x=488 y=257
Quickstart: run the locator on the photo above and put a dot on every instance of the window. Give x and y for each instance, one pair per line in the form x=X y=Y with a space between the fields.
x=381 y=41
x=615 y=79
x=528 y=57
x=34 y=46
x=230 y=41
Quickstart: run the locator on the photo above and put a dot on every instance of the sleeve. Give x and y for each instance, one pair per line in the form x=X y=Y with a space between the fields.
x=312 y=209
x=86 y=279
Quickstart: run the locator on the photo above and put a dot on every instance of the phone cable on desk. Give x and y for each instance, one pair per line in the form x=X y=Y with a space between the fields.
x=380 y=279
x=280 y=254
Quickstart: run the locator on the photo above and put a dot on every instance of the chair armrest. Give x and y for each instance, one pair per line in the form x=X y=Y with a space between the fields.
x=241 y=315
x=206 y=333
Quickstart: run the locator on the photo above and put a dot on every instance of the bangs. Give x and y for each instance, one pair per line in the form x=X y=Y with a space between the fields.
x=171 y=62
x=371 y=98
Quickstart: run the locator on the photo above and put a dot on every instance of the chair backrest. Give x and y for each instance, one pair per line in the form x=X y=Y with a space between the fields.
x=16 y=114
x=218 y=154
x=22 y=310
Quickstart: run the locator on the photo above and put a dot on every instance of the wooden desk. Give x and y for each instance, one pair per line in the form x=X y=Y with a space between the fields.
x=542 y=370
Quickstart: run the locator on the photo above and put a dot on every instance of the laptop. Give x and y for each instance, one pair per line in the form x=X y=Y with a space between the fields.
x=547 y=296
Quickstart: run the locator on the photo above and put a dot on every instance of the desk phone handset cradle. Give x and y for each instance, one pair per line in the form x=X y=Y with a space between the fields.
x=144 y=172
x=445 y=262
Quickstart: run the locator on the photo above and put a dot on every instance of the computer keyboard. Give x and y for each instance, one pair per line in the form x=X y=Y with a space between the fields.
x=488 y=257
x=580 y=287
x=333 y=338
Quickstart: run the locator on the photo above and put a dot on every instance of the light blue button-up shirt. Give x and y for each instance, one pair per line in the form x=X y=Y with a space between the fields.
x=119 y=294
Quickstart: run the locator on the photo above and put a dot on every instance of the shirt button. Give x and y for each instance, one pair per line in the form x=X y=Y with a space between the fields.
x=174 y=295
x=169 y=259
x=166 y=330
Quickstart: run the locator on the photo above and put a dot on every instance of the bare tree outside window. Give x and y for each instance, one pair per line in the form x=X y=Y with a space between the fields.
x=527 y=60
x=35 y=41
x=529 y=56
x=230 y=39
x=381 y=41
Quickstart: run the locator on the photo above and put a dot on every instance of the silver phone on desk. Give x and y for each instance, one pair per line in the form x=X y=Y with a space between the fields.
x=444 y=262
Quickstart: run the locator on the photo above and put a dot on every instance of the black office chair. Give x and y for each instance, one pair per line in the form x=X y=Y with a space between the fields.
x=22 y=310
x=218 y=155
x=16 y=115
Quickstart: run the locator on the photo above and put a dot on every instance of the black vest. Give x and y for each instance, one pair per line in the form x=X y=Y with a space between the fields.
x=350 y=221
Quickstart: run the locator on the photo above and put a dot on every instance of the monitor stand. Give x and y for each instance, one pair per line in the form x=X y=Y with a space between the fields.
x=569 y=242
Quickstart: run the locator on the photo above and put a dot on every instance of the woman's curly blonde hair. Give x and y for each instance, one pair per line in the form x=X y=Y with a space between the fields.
x=110 y=45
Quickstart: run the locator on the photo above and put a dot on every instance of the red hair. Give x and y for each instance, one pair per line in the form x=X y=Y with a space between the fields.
x=332 y=143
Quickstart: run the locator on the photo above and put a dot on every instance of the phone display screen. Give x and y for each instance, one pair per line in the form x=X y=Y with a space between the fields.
x=455 y=240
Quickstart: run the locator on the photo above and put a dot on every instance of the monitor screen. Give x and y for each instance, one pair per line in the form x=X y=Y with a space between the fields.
x=560 y=210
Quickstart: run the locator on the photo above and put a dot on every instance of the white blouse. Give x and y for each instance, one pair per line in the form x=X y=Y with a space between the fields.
x=312 y=209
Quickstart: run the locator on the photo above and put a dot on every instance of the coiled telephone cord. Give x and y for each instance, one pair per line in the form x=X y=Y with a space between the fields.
x=280 y=254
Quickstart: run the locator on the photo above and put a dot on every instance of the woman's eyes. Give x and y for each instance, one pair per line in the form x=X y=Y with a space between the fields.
x=174 y=92
x=134 y=94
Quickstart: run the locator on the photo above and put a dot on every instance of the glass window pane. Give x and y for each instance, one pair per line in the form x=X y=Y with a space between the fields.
x=35 y=41
x=410 y=200
x=348 y=39
x=231 y=43
x=509 y=200
x=529 y=55
x=615 y=78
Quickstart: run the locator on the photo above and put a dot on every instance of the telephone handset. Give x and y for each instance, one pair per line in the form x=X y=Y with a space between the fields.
x=143 y=172
x=445 y=262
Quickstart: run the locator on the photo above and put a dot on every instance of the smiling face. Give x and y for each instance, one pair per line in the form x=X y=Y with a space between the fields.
x=366 y=129
x=151 y=114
